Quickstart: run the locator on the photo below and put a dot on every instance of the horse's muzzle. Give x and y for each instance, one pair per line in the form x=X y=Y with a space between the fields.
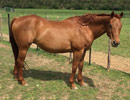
x=115 y=44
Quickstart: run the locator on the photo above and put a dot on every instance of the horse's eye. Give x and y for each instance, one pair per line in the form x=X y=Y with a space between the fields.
x=110 y=26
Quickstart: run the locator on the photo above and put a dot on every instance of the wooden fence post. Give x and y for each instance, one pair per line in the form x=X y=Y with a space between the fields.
x=37 y=48
x=90 y=56
x=1 y=34
x=109 y=54
x=70 y=58
x=9 y=25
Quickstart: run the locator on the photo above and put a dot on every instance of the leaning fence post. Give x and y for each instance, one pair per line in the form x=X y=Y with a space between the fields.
x=109 y=54
x=1 y=34
x=9 y=25
x=90 y=56
x=37 y=47
x=70 y=58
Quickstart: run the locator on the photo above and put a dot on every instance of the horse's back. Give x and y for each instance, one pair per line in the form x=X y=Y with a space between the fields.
x=52 y=36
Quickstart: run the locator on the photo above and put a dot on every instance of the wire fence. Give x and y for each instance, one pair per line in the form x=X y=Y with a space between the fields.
x=52 y=15
x=1 y=27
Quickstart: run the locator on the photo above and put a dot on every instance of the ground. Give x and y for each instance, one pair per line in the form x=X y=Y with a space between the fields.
x=117 y=62
x=48 y=75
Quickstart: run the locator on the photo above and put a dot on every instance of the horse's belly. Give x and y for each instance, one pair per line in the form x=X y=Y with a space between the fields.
x=55 y=46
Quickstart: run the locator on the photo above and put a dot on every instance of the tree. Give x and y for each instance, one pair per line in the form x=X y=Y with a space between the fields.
x=68 y=4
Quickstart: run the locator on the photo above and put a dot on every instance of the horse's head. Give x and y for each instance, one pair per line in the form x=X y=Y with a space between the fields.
x=114 y=28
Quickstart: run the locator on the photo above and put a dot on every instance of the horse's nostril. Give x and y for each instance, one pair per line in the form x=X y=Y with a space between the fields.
x=117 y=44
x=114 y=42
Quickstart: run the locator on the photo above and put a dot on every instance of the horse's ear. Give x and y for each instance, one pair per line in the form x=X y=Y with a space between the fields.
x=121 y=14
x=112 y=14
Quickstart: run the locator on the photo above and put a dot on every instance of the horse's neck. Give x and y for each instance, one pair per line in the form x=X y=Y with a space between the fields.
x=98 y=31
x=99 y=28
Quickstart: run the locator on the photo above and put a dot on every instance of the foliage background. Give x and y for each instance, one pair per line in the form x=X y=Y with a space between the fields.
x=69 y=4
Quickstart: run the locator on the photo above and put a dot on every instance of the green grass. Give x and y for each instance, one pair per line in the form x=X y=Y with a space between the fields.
x=101 y=44
x=48 y=77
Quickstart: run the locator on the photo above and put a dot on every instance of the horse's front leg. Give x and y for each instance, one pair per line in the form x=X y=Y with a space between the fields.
x=80 y=77
x=80 y=67
x=77 y=55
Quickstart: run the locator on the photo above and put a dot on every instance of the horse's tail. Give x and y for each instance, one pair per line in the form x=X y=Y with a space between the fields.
x=12 y=41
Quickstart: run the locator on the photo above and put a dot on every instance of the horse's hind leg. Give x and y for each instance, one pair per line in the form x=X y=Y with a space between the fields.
x=15 y=72
x=15 y=52
x=20 y=64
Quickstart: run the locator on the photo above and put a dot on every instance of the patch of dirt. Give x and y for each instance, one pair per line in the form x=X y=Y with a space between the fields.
x=11 y=86
x=4 y=97
x=117 y=62
x=37 y=60
x=65 y=97
x=5 y=37
x=18 y=97
x=33 y=46
x=100 y=58
x=42 y=98
x=3 y=46
x=51 y=97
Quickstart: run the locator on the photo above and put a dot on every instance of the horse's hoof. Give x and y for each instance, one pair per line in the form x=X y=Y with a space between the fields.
x=74 y=88
x=26 y=84
x=15 y=77
x=83 y=85
x=22 y=82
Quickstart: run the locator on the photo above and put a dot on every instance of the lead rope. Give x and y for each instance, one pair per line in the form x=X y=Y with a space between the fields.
x=109 y=53
x=27 y=67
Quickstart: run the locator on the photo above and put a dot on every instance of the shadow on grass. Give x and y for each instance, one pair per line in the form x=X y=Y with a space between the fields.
x=53 y=75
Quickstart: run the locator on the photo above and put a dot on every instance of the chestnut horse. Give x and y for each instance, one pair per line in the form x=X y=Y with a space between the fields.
x=75 y=34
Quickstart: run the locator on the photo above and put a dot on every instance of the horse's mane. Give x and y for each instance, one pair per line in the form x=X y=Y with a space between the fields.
x=115 y=15
x=82 y=20
x=88 y=18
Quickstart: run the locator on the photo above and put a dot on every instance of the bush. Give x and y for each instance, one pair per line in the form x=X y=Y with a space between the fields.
x=68 y=4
